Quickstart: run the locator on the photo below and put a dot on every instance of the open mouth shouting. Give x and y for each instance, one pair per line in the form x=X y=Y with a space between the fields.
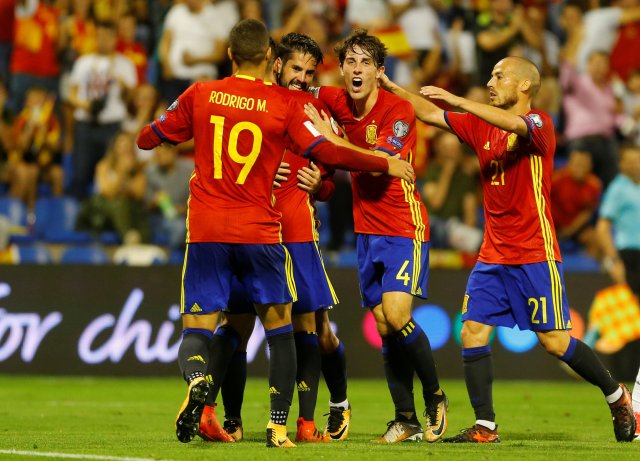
x=356 y=83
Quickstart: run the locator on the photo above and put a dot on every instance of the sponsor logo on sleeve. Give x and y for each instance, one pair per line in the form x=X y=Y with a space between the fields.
x=400 y=128
x=395 y=142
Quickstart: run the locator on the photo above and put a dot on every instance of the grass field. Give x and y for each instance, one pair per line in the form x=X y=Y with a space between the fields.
x=120 y=419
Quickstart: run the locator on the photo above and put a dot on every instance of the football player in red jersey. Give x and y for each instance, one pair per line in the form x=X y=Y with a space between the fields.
x=241 y=126
x=317 y=347
x=393 y=254
x=518 y=277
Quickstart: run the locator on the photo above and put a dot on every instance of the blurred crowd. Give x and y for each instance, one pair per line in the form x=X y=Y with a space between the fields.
x=79 y=78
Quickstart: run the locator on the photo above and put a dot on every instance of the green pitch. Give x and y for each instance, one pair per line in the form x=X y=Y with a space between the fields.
x=132 y=419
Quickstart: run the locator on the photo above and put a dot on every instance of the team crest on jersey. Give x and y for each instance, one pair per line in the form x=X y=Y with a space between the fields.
x=173 y=106
x=400 y=129
x=371 y=134
x=535 y=119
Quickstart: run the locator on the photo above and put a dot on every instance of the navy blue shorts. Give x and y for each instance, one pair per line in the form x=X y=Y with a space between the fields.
x=387 y=264
x=313 y=286
x=531 y=296
x=265 y=273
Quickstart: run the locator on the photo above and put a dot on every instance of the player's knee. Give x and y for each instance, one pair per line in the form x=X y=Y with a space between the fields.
x=474 y=335
x=554 y=344
x=396 y=319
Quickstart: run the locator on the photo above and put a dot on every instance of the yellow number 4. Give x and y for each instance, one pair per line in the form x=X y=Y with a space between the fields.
x=403 y=276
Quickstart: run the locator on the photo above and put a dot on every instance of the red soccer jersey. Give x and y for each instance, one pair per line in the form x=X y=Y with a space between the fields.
x=382 y=205
x=516 y=180
x=298 y=213
x=241 y=127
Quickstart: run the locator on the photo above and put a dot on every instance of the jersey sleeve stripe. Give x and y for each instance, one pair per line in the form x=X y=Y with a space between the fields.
x=157 y=131
x=307 y=152
x=386 y=151
x=527 y=121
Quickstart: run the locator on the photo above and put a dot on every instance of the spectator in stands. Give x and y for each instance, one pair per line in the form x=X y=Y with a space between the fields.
x=36 y=44
x=7 y=18
x=619 y=222
x=598 y=28
x=450 y=194
x=142 y=108
x=367 y=14
x=167 y=193
x=618 y=234
x=630 y=96
x=37 y=136
x=575 y=195
x=460 y=48
x=419 y=22
x=128 y=46
x=497 y=32
x=590 y=110
x=78 y=37
x=6 y=138
x=118 y=203
x=540 y=45
x=100 y=83
x=8 y=251
x=624 y=62
x=194 y=41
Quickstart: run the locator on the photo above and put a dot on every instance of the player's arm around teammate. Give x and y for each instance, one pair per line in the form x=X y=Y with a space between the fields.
x=519 y=267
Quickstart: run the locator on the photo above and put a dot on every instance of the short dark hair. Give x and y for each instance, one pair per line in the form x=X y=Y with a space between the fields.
x=301 y=43
x=249 y=41
x=367 y=43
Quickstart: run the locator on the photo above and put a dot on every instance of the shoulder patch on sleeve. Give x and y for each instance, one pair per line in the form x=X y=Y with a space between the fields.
x=535 y=119
x=400 y=128
x=173 y=106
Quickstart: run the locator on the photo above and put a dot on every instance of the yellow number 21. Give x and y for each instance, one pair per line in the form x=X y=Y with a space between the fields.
x=247 y=160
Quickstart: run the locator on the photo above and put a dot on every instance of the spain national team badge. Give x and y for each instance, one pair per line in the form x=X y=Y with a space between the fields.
x=371 y=134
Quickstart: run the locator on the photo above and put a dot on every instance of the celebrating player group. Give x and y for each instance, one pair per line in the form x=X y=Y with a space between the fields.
x=266 y=146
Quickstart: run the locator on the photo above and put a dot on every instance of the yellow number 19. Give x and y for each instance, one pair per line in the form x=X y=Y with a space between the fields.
x=247 y=160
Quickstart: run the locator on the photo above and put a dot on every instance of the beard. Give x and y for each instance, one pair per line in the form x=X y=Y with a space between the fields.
x=505 y=102
x=293 y=84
